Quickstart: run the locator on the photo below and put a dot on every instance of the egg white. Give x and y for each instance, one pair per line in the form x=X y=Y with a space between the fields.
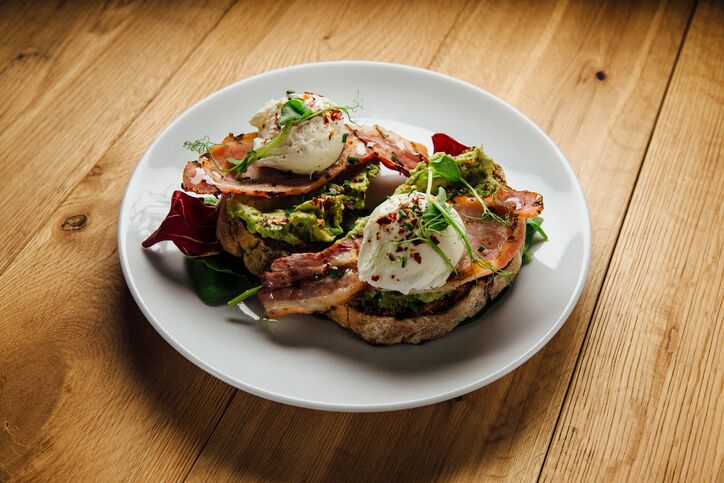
x=405 y=267
x=311 y=146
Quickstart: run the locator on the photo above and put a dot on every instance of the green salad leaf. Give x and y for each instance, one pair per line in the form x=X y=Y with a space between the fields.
x=532 y=227
x=218 y=278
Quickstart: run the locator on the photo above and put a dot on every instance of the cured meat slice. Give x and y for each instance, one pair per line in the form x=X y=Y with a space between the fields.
x=393 y=150
x=213 y=176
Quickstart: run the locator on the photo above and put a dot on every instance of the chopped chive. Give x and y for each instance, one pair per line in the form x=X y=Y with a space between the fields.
x=344 y=138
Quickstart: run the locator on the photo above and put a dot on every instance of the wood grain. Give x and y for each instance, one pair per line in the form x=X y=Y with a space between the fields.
x=71 y=338
x=88 y=390
x=83 y=88
x=647 y=399
x=501 y=431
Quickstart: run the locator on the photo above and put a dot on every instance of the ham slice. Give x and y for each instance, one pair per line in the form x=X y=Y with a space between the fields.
x=205 y=177
x=393 y=150
x=306 y=283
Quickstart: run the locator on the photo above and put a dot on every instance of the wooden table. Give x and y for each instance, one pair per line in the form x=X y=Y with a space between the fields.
x=631 y=388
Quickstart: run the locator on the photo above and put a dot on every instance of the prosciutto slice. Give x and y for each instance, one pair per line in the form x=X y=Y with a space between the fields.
x=205 y=177
x=393 y=150
x=525 y=204
x=496 y=243
x=305 y=283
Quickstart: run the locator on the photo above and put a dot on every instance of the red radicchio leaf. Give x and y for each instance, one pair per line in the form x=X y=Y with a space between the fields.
x=446 y=144
x=190 y=225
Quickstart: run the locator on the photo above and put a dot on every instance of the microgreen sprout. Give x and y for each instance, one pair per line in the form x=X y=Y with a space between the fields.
x=293 y=113
x=438 y=216
x=244 y=295
x=445 y=167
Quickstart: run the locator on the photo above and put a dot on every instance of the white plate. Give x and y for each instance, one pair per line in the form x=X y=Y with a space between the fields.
x=309 y=361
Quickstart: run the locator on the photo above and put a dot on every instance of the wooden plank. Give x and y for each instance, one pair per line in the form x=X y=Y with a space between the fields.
x=36 y=35
x=647 y=399
x=75 y=90
x=110 y=399
x=546 y=59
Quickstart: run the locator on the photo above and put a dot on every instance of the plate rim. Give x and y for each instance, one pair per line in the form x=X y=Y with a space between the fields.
x=327 y=406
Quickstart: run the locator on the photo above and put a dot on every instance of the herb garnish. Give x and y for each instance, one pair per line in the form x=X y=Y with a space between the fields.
x=438 y=215
x=445 y=167
x=293 y=112
x=244 y=295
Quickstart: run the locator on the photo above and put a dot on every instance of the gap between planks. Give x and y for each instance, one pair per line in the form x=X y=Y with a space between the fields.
x=596 y=307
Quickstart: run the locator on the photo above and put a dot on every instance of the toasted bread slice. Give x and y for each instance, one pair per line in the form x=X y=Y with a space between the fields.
x=257 y=253
x=387 y=330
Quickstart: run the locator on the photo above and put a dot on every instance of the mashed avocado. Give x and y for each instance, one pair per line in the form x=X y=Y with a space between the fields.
x=318 y=218
x=475 y=166
x=396 y=302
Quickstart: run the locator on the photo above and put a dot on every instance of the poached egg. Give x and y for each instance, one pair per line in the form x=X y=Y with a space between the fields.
x=389 y=262
x=311 y=146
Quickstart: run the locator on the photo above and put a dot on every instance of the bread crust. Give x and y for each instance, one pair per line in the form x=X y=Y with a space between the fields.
x=386 y=330
x=257 y=253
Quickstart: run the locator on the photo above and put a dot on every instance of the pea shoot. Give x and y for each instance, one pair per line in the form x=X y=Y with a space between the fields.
x=438 y=214
x=445 y=167
x=244 y=295
x=293 y=113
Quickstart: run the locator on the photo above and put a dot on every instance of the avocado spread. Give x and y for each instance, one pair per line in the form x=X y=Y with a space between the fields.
x=396 y=302
x=319 y=217
x=475 y=166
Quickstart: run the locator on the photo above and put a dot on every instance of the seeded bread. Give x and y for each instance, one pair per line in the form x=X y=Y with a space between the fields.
x=257 y=253
x=387 y=330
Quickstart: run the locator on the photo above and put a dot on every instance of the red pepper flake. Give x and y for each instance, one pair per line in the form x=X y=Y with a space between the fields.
x=434 y=239
x=384 y=220
x=375 y=278
x=416 y=256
